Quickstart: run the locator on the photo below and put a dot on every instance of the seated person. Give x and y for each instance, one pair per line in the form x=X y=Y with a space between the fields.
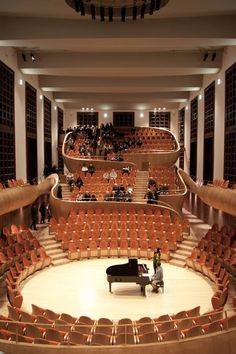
x=157 y=278
x=79 y=182
x=106 y=176
x=93 y=198
x=86 y=197
x=84 y=169
x=152 y=182
x=113 y=174
x=126 y=169
x=91 y=169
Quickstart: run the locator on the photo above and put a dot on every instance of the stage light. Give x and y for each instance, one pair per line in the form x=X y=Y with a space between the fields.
x=120 y=9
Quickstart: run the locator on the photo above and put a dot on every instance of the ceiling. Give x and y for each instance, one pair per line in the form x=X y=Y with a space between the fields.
x=143 y=64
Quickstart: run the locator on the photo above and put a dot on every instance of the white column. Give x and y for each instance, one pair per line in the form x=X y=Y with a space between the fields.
x=54 y=132
x=219 y=138
x=20 y=129
x=187 y=138
x=200 y=136
x=40 y=134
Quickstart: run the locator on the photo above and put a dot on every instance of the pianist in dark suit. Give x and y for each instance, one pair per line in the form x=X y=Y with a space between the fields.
x=157 y=278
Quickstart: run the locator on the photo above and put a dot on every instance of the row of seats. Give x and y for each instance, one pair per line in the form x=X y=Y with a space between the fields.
x=44 y=326
x=20 y=256
x=80 y=250
x=13 y=183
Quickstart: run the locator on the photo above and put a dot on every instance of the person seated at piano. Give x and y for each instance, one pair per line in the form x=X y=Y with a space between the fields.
x=157 y=278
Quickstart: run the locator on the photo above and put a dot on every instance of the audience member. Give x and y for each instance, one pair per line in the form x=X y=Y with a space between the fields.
x=91 y=169
x=42 y=210
x=79 y=182
x=84 y=169
x=59 y=192
x=34 y=216
x=113 y=174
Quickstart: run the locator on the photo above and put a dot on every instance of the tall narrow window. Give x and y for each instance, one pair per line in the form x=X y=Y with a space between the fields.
x=123 y=119
x=181 y=123
x=87 y=118
x=230 y=125
x=209 y=126
x=31 y=131
x=60 y=123
x=193 y=138
x=7 y=123
x=47 y=109
x=159 y=119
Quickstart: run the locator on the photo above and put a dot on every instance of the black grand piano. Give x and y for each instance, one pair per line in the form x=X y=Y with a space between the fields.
x=130 y=272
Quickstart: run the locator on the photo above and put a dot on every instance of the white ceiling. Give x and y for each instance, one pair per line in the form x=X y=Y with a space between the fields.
x=139 y=64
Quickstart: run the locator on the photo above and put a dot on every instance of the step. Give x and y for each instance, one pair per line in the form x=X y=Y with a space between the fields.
x=178 y=256
x=184 y=247
x=177 y=263
x=55 y=253
x=183 y=252
x=61 y=256
x=60 y=262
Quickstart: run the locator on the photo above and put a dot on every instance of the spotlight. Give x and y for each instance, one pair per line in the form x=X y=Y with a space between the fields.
x=205 y=56
x=110 y=14
x=213 y=56
x=123 y=13
x=102 y=13
x=158 y=5
x=152 y=7
x=92 y=9
x=32 y=57
x=24 y=56
x=143 y=8
x=135 y=11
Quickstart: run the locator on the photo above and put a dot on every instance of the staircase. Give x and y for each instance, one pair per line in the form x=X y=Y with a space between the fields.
x=66 y=194
x=140 y=187
x=52 y=248
x=184 y=250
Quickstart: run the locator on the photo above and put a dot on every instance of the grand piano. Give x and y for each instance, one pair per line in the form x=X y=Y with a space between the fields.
x=130 y=272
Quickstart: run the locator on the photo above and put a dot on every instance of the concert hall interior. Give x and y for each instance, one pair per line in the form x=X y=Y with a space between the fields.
x=117 y=139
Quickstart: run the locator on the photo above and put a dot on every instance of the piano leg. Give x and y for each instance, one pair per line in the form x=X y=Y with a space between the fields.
x=143 y=289
x=110 y=287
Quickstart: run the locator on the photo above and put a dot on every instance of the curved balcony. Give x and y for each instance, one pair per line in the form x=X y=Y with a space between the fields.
x=159 y=147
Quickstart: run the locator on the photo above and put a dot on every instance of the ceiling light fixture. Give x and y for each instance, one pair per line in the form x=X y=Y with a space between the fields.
x=122 y=9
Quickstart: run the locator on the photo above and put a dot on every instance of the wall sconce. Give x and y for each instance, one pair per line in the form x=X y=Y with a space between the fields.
x=105 y=115
x=141 y=115
x=218 y=81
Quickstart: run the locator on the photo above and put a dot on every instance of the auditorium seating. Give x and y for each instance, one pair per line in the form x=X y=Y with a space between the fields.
x=85 y=331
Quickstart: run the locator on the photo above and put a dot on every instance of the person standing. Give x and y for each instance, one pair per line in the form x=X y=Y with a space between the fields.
x=34 y=215
x=42 y=210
